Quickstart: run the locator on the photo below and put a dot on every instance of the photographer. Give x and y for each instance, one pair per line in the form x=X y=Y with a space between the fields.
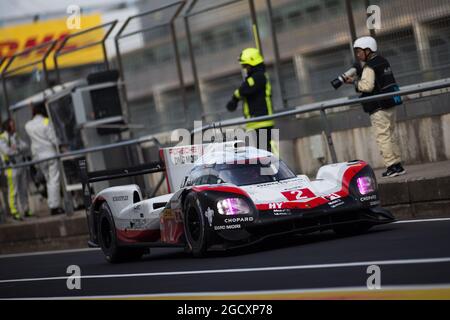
x=376 y=77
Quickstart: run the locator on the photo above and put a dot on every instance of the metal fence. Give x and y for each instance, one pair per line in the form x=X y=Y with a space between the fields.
x=305 y=44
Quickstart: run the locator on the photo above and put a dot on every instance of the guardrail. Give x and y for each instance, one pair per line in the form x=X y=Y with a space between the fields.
x=324 y=105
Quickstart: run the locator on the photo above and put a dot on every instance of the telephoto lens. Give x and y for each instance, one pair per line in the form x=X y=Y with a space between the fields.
x=337 y=83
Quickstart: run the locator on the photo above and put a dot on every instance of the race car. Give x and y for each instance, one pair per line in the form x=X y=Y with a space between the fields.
x=225 y=196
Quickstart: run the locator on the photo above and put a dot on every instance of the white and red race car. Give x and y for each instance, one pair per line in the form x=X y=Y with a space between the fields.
x=224 y=196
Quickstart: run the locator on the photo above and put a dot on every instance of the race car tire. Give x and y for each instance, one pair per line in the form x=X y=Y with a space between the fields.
x=195 y=227
x=108 y=239
x=351 y=229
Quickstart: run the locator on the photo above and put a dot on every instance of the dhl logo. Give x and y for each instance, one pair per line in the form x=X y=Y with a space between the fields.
x=22 y=38
x=9 y=48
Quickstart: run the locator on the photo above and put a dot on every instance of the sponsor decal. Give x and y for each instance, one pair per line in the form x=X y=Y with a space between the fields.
x=20 y=37
x=138 y=224
x=185 y=155
x=332 y=196
x=239 y=219
x=277 y=183
x=209 y=214
x=227 y=227
x=168 y=214
x=335 y=203
x=300 y=194
x=120 y=198
x=281 y=212
x=368 y=198
x=276 y=205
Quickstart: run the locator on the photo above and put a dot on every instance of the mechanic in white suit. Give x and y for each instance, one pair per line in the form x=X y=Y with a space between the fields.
x=12 y=150
x=43 y=145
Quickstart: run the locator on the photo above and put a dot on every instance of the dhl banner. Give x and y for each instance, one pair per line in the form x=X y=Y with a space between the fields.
x=17 y=38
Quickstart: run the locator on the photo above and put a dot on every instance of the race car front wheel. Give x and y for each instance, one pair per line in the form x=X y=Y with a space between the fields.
x=194 y=226
x=108 y=239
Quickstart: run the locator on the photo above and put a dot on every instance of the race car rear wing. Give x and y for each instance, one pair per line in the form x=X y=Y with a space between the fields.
x=179 y=160
x=175 y=162
x=103 y=175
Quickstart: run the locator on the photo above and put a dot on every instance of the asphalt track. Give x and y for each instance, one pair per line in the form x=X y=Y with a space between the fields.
x=413 y=256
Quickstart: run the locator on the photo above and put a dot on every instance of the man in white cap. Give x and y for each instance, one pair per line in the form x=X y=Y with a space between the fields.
x=377 y=78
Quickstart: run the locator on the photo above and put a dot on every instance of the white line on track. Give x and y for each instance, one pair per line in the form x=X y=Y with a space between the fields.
x=29 y=254
x=242 y=270
x=423 y=220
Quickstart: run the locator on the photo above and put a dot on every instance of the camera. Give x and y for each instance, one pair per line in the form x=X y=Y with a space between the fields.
x=339 y=81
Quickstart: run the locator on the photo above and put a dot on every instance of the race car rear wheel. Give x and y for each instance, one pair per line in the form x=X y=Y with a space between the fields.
x=108 y=239
x=194 y=225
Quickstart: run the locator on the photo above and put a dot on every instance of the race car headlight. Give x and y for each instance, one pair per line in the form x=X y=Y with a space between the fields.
x=233 y=206
x=366 y=185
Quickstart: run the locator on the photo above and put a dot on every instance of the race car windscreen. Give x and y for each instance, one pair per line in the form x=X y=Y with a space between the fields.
x=246 y=174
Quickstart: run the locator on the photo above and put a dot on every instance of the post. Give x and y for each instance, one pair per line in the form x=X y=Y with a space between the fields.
x=179 y=67
x=105 y=54
x=351 y=23
x=276 y=53
x=326 y=129
x=255 y=26
x=421 y=34
x=68 y=201
x=85 y=184
x=5 y=94
x=119 y=58
x=56 y=67
x=193 y=63
x=121 y=85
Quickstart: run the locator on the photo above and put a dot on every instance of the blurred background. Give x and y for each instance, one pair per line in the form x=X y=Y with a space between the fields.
x=313 y=38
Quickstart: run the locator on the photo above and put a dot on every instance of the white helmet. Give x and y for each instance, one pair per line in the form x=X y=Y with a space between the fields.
x=366 y=43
